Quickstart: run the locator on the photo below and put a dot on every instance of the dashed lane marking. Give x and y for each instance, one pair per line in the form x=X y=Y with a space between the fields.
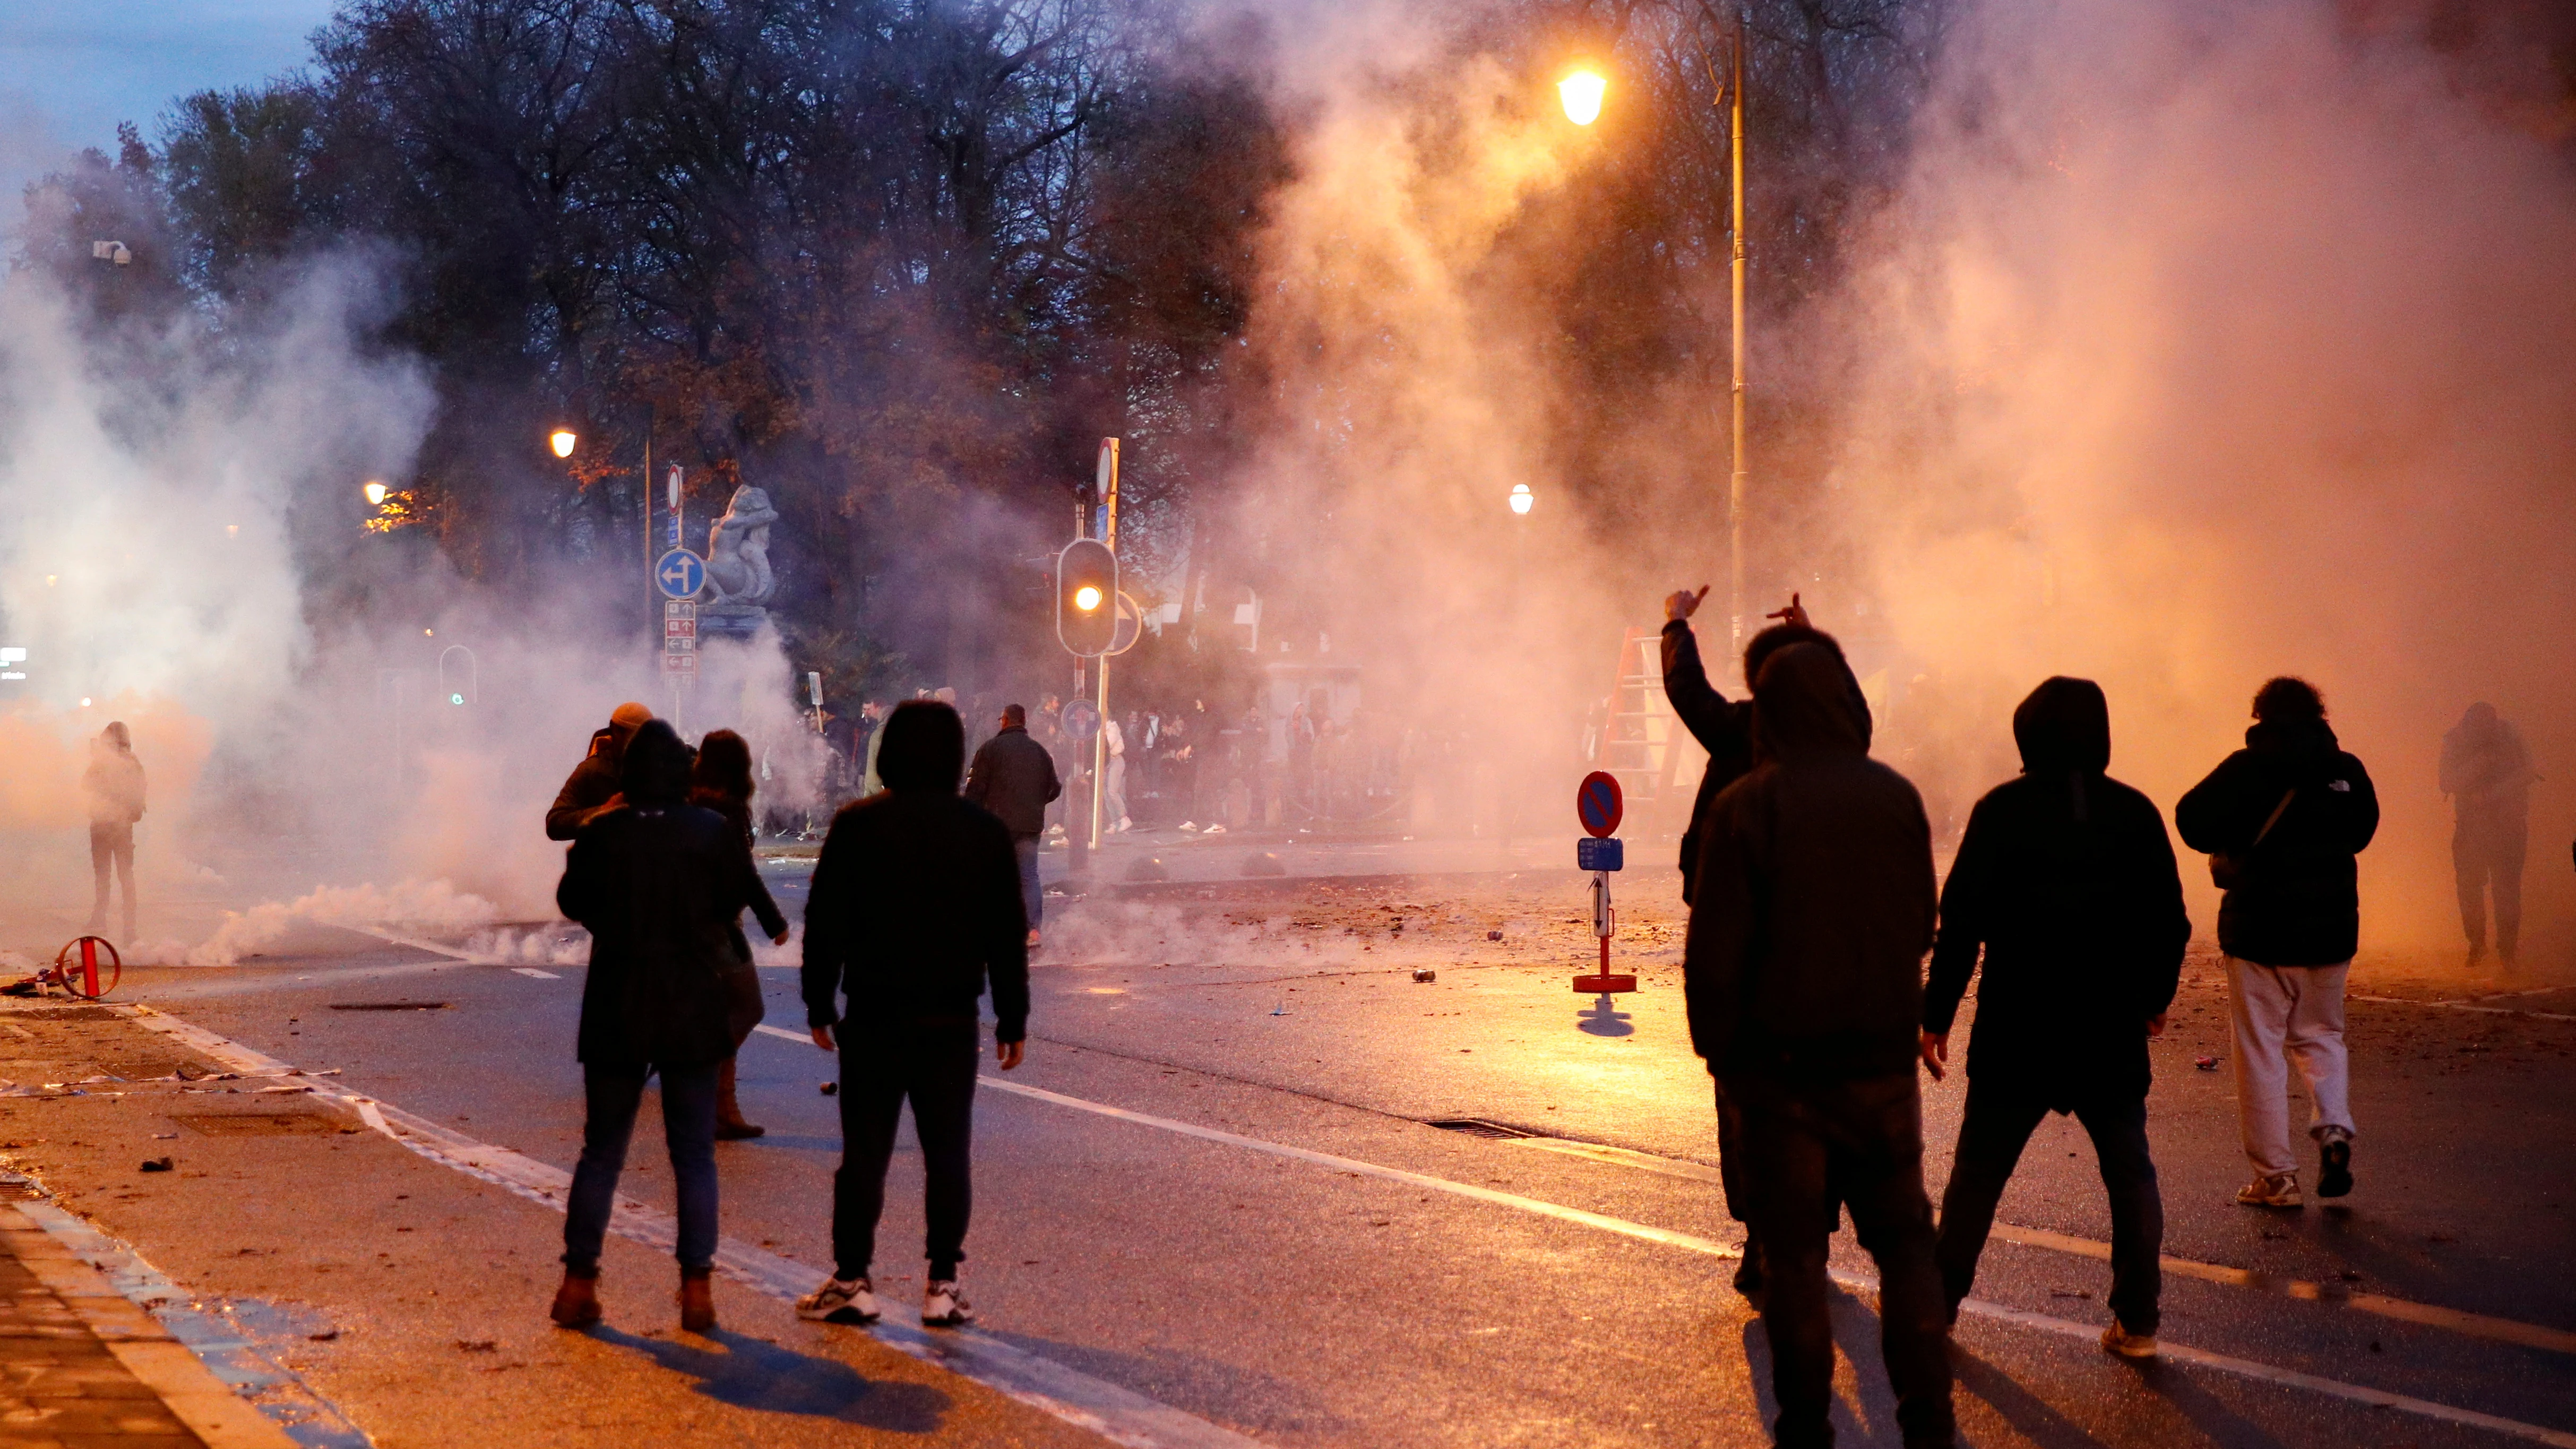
x=1689 y=1242
x=1120 y=1415
x=533 y=971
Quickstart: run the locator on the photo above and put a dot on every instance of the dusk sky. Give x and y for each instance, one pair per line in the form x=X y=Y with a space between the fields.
x=69 y=73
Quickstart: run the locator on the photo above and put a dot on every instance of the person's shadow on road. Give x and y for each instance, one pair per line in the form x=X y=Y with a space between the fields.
x=752 y=1373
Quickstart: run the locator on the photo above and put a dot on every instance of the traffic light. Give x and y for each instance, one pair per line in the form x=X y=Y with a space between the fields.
x=1086 y=597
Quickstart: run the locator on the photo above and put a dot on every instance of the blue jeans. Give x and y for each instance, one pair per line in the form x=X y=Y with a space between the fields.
x=1032 y=895
x=689 y=1127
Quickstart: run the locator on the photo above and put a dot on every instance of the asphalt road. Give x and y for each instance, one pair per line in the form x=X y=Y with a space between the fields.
x=1429 y=1287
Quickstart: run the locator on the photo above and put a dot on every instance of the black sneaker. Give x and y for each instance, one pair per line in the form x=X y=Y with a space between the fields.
x=2334 y=1163
x=1748 y=1277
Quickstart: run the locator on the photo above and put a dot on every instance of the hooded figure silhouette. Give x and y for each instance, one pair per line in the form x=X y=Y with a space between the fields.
x=2065 y=880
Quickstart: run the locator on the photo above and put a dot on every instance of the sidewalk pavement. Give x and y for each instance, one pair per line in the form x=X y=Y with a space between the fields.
x=83 y=1366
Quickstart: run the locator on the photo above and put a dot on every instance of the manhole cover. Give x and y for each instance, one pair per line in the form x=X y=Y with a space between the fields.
x=259 y=1124
x=1477 y=1127
x=389 y=1006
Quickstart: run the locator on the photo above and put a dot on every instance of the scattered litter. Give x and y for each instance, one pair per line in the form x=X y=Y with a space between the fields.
x=831 y=1089
x=325 y=1336
x=2206 y=1064
x=158 y=1164
x=264 y=1090
x=94 y=1080
x=1280 y=1010
x=1425 y=973
x=479 y=1345
x=164 y=1136
x=1493 y=935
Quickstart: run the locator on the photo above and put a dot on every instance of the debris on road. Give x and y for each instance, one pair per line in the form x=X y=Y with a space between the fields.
x=1424 y=973
x=158 y=1164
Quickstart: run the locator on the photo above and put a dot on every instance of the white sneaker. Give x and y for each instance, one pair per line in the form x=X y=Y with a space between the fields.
x=1125 y=824
x=1191 y=826
x=849 y=1300
x=2281 y=1191
x=944 y=1307
x=1214 y=830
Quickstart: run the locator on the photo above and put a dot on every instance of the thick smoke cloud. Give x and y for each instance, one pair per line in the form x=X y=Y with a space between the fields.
x=2210 y=342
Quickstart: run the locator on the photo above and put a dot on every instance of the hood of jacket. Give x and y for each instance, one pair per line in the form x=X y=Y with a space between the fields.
x=2063 y=728
x=1807 y=706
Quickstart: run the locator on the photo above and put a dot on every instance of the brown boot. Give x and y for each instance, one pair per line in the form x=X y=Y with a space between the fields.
x=577 y=1301
x=729 y=1124
x=697 y=1301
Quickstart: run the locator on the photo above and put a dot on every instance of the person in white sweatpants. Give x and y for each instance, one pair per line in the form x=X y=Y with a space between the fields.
x=2281 y=821
x=2283 y=1013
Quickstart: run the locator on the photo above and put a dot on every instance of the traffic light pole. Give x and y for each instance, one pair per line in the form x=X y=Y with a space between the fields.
x=1108 y=484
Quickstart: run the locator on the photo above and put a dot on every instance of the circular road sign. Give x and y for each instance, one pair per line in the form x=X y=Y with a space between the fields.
x=1080 y=720
x=1597 y=802
x=681 y=574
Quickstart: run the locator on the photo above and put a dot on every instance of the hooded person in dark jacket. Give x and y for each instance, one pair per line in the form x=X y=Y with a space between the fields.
x=1724 y=728
x=915 y=900
x=2066 y=880
x=1014 y=778
x=2281 y=820
x=659 y=883
x=1803 y=972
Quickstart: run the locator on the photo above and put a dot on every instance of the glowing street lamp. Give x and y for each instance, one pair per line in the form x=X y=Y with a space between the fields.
x=563 y=440
x=1581 y=93
x=1086 y=598
x=1522 y=499
x=375 y=494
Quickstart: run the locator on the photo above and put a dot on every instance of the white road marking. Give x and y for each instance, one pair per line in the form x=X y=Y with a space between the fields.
x=533 y=971
x=2470 y=1006
x=2171 y=1351
x=2475 y=1325
x=1120 y=1415
x=802 y=1038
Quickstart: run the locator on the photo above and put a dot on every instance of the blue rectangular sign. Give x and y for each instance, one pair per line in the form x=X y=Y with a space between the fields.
x=1590 y=854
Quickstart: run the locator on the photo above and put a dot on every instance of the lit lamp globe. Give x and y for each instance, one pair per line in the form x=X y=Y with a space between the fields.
x=1581 y=93
x=563 y=441
x=375 y=495
x=1522 y=499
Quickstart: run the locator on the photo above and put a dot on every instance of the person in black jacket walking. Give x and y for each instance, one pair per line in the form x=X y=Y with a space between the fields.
x=1014 y=779
x=659 y=883
x=1724 y=728
x=1803 y=972
x=2066 y=880
x=914 y=901
x=2281 y=821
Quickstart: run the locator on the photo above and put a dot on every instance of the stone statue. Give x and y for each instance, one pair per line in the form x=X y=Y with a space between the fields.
x=739 y=582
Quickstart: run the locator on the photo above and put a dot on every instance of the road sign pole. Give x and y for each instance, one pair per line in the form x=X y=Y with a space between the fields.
x=1108 y=484
x=1597 y=803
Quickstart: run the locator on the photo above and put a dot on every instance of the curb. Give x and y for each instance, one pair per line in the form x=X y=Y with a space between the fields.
x=169 y=1368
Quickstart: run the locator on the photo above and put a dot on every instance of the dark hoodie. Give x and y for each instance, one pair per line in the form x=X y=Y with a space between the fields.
x=917 y=894
x=1722 y=726
x=1814 y=901
x=2066 y=879
x=2298 y=904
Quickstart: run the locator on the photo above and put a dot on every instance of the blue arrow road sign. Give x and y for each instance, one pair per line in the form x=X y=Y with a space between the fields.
x=681 y=574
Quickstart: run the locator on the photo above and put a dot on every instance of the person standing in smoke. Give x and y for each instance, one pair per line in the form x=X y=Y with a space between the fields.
x=1725 y=729
x=659 y=884
x=1013 y=778
x=1113 y=786
x=2487 y=773
x=915 y=900
x=1803 y=973
x=591 y=789
x=2281 y=821
x=2066 y=880
x=721 y=781
x=114 y=784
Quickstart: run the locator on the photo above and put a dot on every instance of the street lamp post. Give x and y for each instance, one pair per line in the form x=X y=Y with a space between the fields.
x=1581 y=93
x=564 y=441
